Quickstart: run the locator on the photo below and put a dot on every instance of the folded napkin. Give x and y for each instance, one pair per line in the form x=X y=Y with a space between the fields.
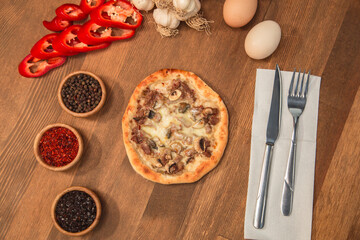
x=297 y=226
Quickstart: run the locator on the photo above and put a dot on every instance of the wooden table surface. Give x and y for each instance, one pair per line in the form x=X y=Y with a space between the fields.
x=320 y=35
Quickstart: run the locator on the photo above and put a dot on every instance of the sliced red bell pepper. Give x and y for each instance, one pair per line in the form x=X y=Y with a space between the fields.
x=36 y=67
x=91 y=33
x=89 y=5
x=57 y=24
x=70 y=12
x=119 y=13
x=68 y=42
x=43 y=48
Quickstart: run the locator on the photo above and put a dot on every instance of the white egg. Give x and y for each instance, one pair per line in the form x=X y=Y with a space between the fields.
x=263 y=39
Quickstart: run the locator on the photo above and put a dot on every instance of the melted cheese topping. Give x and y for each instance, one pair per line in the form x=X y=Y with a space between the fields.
x=182 y=127
x=168 y=119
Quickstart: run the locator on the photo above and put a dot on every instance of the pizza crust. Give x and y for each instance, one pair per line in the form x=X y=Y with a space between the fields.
x=221 y=133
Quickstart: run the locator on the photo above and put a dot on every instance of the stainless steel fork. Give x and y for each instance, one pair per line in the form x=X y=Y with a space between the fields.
x=296 y=105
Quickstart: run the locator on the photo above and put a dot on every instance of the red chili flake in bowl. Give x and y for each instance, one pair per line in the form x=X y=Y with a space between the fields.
x=58 y=146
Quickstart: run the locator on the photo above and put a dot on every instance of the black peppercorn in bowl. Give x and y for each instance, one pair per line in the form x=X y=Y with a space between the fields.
x=76 y=211
x=81 y=94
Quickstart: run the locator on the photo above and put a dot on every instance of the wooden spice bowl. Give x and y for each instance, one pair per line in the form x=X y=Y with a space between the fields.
x=85 y=114
x=37 y=151
x=98 y=210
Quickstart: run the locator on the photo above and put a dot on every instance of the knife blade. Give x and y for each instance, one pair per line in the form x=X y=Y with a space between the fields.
x=272 y=133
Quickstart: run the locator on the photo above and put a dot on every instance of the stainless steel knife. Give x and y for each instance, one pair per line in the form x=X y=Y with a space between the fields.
x=271 y=136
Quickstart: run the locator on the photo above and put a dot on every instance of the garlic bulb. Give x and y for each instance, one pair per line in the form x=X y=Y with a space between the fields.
x=145 y=5
x=165 y=18
x=186 y=8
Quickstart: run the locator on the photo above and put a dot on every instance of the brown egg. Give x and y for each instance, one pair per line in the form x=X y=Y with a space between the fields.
x=238 y=13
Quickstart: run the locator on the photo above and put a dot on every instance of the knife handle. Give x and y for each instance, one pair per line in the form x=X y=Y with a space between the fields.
x=259 y=216
x=289 y=179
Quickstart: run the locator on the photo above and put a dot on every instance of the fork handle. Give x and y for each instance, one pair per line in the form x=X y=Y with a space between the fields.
x=289 y=179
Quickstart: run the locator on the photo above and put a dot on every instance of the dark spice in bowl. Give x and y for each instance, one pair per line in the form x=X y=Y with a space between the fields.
x=81 y=93
x=75 y=211
x=58 y=146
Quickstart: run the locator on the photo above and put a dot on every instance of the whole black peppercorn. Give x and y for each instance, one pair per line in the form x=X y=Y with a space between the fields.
x=81 y=93
x=75 y=211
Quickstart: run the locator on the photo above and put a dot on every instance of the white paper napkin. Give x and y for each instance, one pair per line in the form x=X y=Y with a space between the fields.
x=297 y=226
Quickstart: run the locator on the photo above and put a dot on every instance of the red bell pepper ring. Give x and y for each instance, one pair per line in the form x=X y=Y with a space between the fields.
x=89 y=5
x=43 y=48
x=36 y=67
x=119 y=13
x=57 y=24
x=68 y=42
x=91 y=33
x=70 y=12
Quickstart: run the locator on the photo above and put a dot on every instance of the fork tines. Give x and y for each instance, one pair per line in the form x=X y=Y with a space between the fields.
x=299 y=93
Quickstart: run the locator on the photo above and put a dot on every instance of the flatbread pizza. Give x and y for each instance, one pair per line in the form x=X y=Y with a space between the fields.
x=175 y=127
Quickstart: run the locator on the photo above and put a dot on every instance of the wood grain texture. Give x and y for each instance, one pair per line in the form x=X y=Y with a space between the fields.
x=319 y=35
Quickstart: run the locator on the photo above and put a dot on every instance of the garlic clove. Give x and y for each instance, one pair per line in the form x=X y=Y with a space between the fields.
x=165 y=18
x=161 y=17
x=168 y=18
x=194 y=9
x=191 y=7
x=174 y=22
x=145 y=5
x=182 y=4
